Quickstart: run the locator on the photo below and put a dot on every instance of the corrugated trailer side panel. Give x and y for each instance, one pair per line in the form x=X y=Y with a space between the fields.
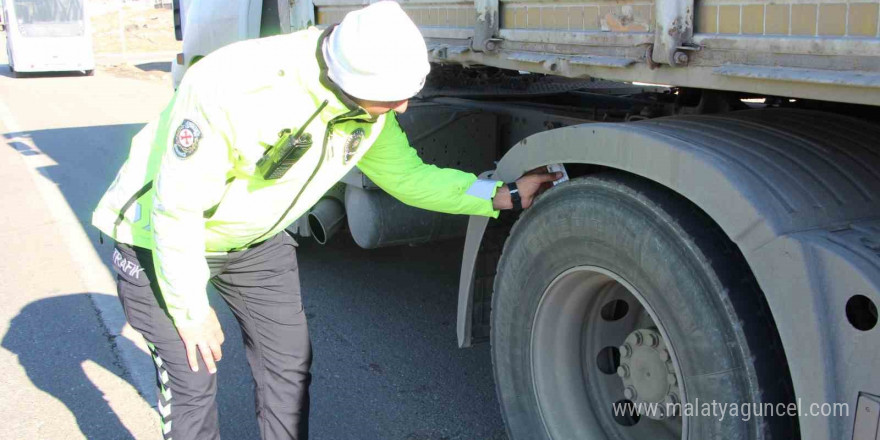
x=827 y=50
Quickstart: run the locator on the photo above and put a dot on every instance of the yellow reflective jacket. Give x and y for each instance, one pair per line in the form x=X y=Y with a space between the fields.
x=190 y=186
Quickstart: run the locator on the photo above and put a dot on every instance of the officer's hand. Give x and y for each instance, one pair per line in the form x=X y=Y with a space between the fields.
x=530 y=185
x=204 y=339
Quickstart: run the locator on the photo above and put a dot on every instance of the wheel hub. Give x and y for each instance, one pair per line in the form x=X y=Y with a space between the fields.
x=647 y=373
x=583 y=323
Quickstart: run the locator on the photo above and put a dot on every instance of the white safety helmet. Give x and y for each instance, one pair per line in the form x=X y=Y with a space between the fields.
x=377 y=53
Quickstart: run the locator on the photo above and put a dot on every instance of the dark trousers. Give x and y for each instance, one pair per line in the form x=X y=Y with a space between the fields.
x=261 y=287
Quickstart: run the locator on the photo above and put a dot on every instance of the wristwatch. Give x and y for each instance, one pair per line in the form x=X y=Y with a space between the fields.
x=514 y=196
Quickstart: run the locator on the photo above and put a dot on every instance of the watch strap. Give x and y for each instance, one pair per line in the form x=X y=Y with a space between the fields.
x=514 y=196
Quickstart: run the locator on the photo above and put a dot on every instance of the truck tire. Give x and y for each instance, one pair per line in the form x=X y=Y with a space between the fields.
x=613 y=294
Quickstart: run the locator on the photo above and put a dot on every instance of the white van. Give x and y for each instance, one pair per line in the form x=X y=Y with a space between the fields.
x=48 y=36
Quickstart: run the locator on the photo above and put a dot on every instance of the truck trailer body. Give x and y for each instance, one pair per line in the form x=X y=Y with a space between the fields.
x=719 y=239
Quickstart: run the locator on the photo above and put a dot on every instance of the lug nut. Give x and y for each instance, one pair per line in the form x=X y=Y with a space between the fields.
x=626 y=350
x=653 y=340
x=630 y=393
x=639 y=339
x=623 y=371
x=664 y=354
x=671 y=379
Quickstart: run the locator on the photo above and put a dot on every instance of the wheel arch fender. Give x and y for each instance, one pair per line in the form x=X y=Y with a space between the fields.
x=800 y=202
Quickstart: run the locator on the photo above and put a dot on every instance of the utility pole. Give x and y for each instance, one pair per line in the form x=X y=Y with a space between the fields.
x=122 y=27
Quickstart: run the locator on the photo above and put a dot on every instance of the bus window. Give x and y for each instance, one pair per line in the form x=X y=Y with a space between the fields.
x=50 y=18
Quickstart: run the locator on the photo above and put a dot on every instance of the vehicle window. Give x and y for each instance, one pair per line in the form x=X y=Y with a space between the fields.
x=50 y=18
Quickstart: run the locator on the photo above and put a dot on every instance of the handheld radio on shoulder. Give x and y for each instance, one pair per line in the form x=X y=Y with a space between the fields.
x=287 y=150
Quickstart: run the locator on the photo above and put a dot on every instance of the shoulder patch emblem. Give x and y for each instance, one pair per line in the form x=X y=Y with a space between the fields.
x=352 y=143
x=186 y=139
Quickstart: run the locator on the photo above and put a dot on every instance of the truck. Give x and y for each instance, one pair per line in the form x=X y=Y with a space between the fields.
x=717 y=242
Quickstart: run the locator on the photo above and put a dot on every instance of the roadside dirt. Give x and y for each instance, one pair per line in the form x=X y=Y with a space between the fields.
x=146 y=30
x=149 y=35
x=128 y=71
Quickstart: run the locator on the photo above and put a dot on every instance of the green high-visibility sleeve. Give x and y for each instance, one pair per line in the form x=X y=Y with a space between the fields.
x=393 y=165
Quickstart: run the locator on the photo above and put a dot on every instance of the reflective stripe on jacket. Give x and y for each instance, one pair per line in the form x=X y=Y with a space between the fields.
x=190 y=184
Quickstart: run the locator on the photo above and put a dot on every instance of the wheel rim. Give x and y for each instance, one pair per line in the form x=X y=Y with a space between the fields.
x=596 y=344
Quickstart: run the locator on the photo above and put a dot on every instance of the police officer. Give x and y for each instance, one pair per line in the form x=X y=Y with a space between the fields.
x=257 y=132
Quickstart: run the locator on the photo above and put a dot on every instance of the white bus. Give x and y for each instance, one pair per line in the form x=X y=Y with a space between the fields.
x=47 y=36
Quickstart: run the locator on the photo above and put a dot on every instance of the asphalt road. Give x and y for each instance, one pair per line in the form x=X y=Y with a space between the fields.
x=382 y=321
